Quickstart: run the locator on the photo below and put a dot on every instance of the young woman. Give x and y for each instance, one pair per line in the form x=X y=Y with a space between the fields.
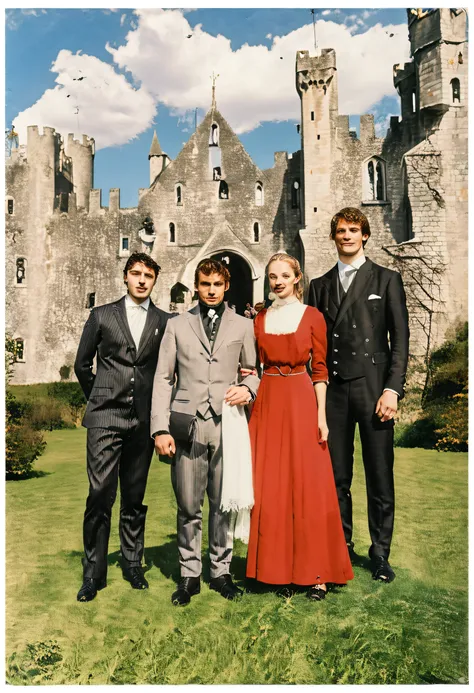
x=296 y=534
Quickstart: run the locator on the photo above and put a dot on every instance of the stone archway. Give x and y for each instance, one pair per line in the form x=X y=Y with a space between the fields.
x=241 y=286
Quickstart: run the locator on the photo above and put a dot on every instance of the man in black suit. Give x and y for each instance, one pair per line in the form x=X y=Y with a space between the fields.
x=364 y=306
x=125 y=337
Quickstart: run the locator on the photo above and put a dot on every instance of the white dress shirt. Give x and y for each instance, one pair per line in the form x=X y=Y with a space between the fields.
x=136 y=316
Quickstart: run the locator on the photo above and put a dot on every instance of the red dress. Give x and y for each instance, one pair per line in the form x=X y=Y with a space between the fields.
x=296 y=533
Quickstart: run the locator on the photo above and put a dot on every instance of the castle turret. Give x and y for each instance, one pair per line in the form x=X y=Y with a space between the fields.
x=157 y=158
x=82 y=156
x=43 y=160
x=316 y=83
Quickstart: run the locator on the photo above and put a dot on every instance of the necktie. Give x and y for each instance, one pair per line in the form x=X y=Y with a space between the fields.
x=212 y=316
x=136 y=320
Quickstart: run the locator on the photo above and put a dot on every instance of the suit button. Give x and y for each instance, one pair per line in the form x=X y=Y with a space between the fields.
x=334 y=372
x=336 y=350
x=354 y=326
x=335 y=363
x=132 y=380
x=353 y=353
x=336 y=335
x=367 y=339
x=365 y=354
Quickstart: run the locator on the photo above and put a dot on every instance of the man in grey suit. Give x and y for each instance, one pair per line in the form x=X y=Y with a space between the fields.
x=197 y=368
x=125 y=337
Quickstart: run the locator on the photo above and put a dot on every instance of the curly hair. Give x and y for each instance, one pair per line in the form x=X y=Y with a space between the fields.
x=145 y=260
x=350 y=214
x=209 y=266
x=295 y=266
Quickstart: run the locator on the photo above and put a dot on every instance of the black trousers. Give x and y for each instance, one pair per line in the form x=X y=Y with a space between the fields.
x=114 y=456
x=348 y=403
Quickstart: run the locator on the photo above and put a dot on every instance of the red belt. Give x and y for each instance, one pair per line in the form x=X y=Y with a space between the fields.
x=284 y=370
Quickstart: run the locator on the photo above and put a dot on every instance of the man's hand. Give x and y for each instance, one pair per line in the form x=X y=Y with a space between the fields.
x=237 y=394
x=387 y=406
x=165 y=445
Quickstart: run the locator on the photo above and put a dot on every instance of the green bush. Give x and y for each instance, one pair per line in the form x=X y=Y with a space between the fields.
x=70 y=394
x=443 y=424
x=23 y=444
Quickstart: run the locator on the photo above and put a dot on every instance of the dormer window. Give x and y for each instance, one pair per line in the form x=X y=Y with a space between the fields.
x=214 y=135
x=223 y=190
x=374 y=182
x=456 y=88
x=259 y=194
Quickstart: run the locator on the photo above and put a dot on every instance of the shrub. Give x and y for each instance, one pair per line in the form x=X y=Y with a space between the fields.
x=65 y=372
x=23 y=445
x=71 y=394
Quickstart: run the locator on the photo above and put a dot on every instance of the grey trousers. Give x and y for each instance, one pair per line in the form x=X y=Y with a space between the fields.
x=199 y=468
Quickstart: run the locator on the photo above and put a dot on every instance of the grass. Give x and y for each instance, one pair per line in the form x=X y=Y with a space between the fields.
x=413 y=631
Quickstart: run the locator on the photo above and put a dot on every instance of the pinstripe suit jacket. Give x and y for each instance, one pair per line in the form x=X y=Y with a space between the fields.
x=124 y=375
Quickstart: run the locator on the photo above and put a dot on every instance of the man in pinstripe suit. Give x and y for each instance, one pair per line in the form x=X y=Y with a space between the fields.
x=125 y=337
x=197 y=368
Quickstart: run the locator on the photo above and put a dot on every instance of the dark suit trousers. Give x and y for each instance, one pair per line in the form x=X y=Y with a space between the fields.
x=114 y=456
x=348 y=403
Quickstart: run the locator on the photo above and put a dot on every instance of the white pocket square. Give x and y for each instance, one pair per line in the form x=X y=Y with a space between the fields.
x=372 y=296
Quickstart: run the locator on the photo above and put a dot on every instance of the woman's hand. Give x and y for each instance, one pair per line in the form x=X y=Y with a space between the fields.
x=323 y=430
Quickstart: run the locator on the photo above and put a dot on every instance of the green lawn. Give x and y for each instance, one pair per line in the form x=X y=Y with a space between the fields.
x=413 y=631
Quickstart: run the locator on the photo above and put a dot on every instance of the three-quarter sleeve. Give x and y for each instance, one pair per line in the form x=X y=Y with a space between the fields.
x=319 y=371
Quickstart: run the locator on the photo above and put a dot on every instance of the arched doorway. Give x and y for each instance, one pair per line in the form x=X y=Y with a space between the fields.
x=241 y=290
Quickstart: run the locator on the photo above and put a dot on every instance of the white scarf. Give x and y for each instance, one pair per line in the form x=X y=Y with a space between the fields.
x=237 y=488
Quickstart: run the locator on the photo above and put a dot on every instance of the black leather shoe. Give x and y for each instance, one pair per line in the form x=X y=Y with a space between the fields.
x=381 y=569
x=134 y=574
x=226 y=588
x=316 y=593
x=89 y=589
x=187 y=588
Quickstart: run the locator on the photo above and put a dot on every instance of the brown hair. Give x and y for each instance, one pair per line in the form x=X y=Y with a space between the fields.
x=145 y=260
x=209 y=266
x=295 y=266
x=351 y=214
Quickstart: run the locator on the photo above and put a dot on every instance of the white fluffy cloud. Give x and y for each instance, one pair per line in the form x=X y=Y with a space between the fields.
x=255 y=83
x=90 y=97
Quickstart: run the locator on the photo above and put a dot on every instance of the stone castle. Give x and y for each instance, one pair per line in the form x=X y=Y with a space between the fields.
x=65 y=253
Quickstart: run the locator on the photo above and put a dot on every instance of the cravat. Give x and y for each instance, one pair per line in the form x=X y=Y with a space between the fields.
x=212 y=316
x=346 y=280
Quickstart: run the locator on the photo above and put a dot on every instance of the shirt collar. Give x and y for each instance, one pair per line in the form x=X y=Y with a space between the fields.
x=357 y=264
x=130 y=303
x=205 y=309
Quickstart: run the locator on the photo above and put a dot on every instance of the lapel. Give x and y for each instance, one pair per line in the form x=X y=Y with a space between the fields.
x=194 y=318
x=362 y=278
x=332 y=290
x=226 y=321
x=121 y=316
x=151 y=323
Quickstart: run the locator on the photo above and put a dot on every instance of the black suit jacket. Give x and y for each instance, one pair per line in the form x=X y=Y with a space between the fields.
x=366 y=336
x=123 y=381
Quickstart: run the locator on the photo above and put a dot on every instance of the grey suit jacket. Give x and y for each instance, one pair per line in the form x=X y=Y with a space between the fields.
x=199 y=377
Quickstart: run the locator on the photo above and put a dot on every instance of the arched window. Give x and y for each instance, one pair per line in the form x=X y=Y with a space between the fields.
x=259 y=194
x=295 y=194
x=19 y=349
x=21 y=270
x=223 y=190
x=172 y=233
x=256 y=232
x=179 y=195
x=214 y=135
x=179 y=293
x=374 y=184
x=456 y=87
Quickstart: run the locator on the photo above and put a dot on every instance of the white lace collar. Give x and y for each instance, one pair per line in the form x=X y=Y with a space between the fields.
x=284 y=315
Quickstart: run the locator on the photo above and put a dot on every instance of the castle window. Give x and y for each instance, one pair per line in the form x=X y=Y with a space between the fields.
x=256 y=232
x=172 y=233
x=90 y=302
x=413 y=101
x=179 y=195
x=10 y=205
x=214 y=135
x=460 y=60
x=223 y=190
x=295 y=194
x=124 y=248
x=179 y=293
x=216 y=173
x=312 y=115
x=259 y=194
x=374 y=186
x=456 y=87
x=19 y=350
x=125 y=243
x=21 y=270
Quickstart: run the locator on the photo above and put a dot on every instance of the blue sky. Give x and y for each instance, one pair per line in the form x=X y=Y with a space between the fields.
x=141 y=72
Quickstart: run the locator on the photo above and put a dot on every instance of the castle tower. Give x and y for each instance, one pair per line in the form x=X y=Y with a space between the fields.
x=157 y=158
x=316 y=84
x=82 y=155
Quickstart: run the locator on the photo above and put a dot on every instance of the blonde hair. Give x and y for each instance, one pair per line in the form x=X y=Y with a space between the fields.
x=295 y=266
